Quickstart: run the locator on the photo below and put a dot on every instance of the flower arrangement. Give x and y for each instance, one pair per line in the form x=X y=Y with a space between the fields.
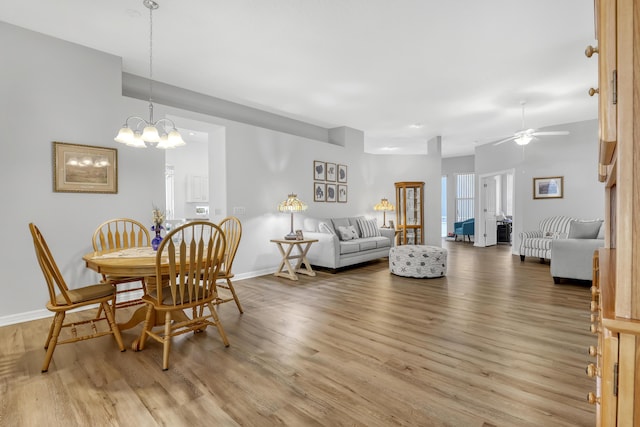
x=158 y=219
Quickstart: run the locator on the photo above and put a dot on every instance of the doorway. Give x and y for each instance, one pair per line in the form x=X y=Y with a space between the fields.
x=495 y=210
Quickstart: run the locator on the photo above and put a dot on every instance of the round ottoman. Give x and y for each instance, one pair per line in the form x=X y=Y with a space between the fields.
x=418 y=261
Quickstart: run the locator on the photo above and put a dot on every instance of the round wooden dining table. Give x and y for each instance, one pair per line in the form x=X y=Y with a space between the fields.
x=130 y=262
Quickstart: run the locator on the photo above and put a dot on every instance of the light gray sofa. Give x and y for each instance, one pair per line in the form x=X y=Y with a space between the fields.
x=331 y=251
x=572 y=258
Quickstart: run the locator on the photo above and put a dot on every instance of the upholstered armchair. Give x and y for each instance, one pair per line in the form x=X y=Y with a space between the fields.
x=537 y=243
x=464 y=228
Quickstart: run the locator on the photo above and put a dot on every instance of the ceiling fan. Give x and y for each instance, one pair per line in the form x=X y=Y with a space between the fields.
x=525 y=136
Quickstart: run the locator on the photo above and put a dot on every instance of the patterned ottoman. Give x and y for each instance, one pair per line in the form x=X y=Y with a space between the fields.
x=418 y=261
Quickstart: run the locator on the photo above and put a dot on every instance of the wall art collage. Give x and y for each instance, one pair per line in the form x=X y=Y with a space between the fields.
x=329 y=182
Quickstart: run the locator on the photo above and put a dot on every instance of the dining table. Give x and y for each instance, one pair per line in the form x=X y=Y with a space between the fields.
x=130 y=262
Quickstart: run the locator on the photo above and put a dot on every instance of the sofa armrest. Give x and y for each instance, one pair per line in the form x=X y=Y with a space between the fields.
x=573 y=258
x=530 y=234
x=390 y=234
x=326 y=251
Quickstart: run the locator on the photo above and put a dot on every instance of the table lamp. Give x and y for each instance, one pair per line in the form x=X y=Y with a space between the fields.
x=292 y=204
x=384 y=206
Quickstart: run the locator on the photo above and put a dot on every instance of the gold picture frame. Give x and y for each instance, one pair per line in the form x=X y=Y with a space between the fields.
x=81 y=168
x=551 y=187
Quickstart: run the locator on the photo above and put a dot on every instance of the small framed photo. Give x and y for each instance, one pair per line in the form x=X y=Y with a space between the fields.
x=331 y=193
x=342 y=193
x=332 y=171
x=391 y=224
x=299 y=235
x=319 y=191
x=84 y=169
x=548 y=187
x=319 y=171
x=342 y=173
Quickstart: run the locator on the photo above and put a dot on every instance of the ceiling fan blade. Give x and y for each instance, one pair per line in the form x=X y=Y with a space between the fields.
x=557 y=132
x=504 y=140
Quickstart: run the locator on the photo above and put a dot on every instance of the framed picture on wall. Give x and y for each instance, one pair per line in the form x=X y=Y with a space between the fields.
x=548 y=187
x=319 y=190
x=319 y=171
x=332 y=171
x=331 y=193
x=342 y=193
x=84 y=169
x=342 y=173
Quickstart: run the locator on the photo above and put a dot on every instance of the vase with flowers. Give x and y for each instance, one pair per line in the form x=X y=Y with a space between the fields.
x=158 y=219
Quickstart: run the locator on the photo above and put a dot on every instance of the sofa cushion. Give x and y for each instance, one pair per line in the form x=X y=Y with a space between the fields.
x=339 y=222
x=349 y=247
x=368 y=227
x=347 y=233
x=601 y=231
x=584 y=229
x=367 y=244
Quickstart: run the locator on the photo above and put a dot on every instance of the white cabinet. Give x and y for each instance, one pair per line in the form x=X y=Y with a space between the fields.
x=197 y=188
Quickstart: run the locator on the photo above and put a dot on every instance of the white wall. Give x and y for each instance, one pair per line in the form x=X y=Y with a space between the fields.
x=56 y=91
x=575 y=157
x=192 y=159
x=65 y=92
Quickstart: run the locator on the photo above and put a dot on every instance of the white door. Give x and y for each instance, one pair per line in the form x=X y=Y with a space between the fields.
x=490 y=226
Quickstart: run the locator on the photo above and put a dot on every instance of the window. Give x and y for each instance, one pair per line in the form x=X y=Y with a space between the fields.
x=465 y=189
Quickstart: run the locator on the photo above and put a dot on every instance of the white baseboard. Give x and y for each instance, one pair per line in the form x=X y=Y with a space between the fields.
x=43 y=313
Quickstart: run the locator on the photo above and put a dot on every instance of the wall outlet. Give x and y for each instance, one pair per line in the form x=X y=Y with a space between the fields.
x=237 y=210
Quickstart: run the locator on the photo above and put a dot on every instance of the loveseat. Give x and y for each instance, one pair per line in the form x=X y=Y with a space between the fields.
x=538 y=243
x=346 y=241
x=572 y=258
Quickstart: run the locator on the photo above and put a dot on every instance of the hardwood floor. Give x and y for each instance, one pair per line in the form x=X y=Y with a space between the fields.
x=495 y=343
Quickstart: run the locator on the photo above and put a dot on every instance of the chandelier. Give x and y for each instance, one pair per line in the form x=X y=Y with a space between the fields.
x=138 y=132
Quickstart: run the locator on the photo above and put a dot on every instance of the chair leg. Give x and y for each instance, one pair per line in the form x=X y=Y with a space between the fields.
x=113 y=325
x=235 y=297
x=53 y=340
x=219 y=325
x=139 y=344
x=166 y=344
x=50 y=334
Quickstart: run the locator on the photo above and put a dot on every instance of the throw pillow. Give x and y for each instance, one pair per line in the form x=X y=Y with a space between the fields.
x=368 y=227
x=325 y=228
x=601 y=231
x=347 y=233
x=584 y=229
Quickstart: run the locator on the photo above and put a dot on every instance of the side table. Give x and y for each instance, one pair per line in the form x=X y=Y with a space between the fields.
x=285 y=269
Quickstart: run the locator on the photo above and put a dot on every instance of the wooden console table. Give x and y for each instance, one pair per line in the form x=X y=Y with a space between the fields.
x=285 y=269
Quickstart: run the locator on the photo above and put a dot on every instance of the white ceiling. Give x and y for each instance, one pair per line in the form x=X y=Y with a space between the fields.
x=459 y=68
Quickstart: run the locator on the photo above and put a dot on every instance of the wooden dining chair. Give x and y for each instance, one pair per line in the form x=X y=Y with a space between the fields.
x=122 y=233
x=63 y=299
x=187 y=263
x=232 y=229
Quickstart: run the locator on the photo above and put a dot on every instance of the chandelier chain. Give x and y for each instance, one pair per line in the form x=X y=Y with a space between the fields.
x=151 y=61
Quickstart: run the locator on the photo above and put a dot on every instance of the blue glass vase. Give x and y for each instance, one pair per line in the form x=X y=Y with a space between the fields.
x=156 y=240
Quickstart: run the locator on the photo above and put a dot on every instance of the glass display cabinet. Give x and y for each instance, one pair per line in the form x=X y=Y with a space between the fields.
x=409 y=213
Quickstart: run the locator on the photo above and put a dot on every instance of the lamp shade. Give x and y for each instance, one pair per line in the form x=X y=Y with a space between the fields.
x=292 y=204
x=384 y=205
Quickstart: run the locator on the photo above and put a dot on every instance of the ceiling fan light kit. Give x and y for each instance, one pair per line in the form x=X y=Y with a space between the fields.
x=525 y=136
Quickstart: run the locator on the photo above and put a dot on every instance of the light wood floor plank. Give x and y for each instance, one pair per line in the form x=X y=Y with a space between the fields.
x=494 y=343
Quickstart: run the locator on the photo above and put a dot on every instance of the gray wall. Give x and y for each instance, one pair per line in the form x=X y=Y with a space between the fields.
x=575 y=157
x=57 y=91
